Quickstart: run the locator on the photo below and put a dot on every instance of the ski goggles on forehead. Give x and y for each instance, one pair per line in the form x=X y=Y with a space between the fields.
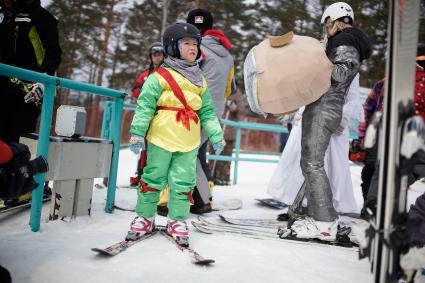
x=157 y=49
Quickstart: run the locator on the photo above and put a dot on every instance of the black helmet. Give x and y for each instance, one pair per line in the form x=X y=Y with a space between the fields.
x=156 y=47
x=178 y=31
x=26 y=3
x=200 y=18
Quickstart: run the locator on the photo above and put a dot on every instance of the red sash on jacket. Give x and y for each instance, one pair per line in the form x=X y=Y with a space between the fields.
x=183 y=114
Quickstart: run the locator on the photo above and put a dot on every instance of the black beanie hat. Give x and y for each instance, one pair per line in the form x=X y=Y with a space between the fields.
x=200 y=18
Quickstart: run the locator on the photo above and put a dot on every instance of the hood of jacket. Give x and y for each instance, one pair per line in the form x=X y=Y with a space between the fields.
x=217 y=42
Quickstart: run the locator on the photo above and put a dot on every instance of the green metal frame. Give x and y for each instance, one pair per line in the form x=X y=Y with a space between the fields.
x=114 y=129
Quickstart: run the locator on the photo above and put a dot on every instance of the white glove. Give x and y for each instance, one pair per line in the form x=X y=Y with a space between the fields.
x=36 y=93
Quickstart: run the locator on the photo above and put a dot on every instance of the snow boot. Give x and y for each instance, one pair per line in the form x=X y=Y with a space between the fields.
x=139 y=227
x=179 y=231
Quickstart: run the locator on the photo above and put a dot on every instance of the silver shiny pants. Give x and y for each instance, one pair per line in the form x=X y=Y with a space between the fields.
x=320 y=119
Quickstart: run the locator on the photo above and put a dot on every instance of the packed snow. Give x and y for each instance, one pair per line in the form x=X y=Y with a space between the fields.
x=61 y=251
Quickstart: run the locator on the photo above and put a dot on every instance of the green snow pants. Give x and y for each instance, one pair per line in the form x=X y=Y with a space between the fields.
x=178 y=170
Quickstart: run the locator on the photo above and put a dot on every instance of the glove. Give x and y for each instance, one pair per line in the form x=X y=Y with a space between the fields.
x=342 y=126
x=231 y=105
x=137 y=143
x=413 y=136
x=35 y=94
x=218 y=147
x=372 y=130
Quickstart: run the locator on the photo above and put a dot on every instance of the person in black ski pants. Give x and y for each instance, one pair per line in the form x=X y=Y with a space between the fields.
x=30 y=41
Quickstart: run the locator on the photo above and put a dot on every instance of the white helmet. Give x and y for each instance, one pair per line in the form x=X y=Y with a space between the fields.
x=336 y=11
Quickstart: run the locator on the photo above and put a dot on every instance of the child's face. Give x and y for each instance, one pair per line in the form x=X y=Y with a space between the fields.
x=189 y=49
x=157 y=58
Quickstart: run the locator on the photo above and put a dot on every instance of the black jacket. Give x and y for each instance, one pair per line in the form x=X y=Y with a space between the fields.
x=7 y=34
x=36 y=41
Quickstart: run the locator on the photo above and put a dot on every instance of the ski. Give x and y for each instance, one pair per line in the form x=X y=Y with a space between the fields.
x=272 y=203
x=121 y=246
x=209 y=229
x=388 y=224
x=196 y=258
x=217 y=222
x=271 y=232
x=256 y=222
x=264 y=235
x=344 y=220
x=9 y=208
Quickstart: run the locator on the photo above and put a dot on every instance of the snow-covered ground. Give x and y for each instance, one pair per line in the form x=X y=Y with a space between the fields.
x=60 y=252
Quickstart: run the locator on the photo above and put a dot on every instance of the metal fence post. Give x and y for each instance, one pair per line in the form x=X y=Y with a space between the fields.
x=106 y=122
x=237 y=151
x=116 y=139
x=43 y=150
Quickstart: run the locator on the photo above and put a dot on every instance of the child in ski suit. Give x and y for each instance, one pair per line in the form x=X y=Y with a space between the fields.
x=173 y=105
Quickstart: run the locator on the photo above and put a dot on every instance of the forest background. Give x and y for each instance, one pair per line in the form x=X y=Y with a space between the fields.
x=105 y=42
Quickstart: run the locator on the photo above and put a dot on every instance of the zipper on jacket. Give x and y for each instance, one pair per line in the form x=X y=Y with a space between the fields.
x=16 y=36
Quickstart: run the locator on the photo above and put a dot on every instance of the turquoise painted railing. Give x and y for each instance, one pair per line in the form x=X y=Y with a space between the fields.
x=239 y=126
x=114 y=129
x=227 y=123
x=251 y=126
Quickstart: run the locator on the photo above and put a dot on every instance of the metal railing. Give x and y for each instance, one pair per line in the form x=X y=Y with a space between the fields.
x=228 y=123
x=250 y=126
x=114 y=119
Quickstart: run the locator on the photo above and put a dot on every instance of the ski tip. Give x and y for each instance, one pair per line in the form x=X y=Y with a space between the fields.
x=200 y=229
x=101 y=252
x=204 y=262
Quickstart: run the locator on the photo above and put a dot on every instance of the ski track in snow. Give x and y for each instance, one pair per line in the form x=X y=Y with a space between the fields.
x=60 y=252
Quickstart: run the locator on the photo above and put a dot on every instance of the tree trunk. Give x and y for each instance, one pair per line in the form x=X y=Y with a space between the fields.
x=164 y=16
x=200 y=4
x=104 y=49
x=114 y=61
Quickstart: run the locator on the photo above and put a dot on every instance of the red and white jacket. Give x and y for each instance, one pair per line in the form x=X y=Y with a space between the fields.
x=5 y=153
x=138 y=84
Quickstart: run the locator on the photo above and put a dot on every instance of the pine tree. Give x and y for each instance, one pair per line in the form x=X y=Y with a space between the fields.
x=80 y=26
x=141 y=30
